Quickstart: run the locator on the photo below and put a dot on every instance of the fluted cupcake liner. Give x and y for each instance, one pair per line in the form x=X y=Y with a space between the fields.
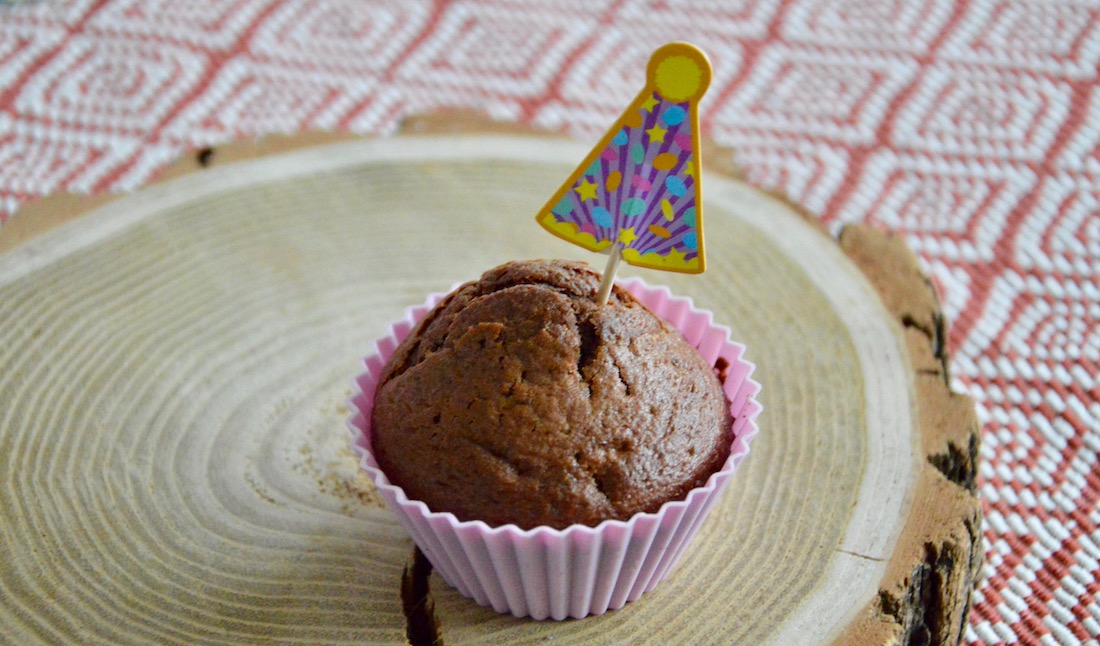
x=577 y=571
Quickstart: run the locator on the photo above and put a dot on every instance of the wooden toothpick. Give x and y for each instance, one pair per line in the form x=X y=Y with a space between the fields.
x=609 y=272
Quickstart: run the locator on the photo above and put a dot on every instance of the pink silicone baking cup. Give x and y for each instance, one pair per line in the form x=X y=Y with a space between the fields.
x=578 y=571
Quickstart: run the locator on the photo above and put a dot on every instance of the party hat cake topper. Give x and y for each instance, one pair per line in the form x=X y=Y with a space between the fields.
x=637 y=195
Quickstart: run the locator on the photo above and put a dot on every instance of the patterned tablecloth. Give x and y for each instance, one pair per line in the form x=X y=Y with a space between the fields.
x=970 y=127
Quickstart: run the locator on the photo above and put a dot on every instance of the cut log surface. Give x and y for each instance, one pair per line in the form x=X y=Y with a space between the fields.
x=174 y=461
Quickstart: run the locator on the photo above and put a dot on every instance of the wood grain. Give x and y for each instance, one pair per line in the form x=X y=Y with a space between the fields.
x=925 y=596
x=172 y=444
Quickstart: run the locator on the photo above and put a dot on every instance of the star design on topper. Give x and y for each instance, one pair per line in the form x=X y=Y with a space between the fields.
x=586 y=190
x=626 y=236
x=656 y=133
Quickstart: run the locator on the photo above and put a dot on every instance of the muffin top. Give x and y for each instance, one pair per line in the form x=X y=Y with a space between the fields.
x=520 y=400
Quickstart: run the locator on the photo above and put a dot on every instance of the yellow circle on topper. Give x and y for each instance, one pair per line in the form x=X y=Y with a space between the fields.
x=679 y=72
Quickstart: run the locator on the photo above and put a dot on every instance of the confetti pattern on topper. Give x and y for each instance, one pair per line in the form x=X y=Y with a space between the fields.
x=638 y=191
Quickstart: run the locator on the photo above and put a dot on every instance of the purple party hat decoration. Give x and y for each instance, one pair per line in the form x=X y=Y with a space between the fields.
x=637 y=195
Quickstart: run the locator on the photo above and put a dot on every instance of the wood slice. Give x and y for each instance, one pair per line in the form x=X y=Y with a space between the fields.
x=173 y=455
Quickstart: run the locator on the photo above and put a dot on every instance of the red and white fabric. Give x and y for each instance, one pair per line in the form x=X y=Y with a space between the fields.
x=970 y=127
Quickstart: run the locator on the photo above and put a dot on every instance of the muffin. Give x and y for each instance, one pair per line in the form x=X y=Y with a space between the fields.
x=519 y=400
x=544 y=571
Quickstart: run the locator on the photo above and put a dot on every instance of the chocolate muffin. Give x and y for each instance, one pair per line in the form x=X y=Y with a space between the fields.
x=519 y=400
